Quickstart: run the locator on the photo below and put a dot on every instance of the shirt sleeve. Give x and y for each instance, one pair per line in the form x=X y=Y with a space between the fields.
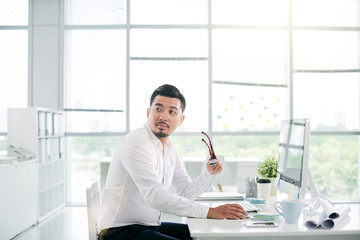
x=138 y=158
x=188 y=188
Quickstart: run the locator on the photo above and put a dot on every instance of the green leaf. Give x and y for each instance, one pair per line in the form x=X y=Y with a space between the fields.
x=268 y=167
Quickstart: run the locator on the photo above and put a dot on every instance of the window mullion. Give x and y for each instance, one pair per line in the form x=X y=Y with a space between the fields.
x=291 y=63
x=127 y=128
x=210 y=67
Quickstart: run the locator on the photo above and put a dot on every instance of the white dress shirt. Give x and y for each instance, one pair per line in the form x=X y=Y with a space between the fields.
x=137 y=188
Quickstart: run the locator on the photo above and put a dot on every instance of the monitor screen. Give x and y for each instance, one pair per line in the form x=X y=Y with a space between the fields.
x=293 y=153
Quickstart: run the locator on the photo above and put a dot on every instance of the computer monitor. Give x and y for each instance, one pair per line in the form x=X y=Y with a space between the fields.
x=293 y=175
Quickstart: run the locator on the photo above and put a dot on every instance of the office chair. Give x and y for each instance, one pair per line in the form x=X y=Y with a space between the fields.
x=93 y=200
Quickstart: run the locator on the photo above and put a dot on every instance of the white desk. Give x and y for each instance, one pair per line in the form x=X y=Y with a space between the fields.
x=210 y=229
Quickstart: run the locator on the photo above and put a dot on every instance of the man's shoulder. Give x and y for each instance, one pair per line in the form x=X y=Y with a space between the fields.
x=137 y=140
x=138 y=131
x=136 y=136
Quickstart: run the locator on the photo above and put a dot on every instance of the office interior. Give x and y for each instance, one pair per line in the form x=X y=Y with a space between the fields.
x=88 y=68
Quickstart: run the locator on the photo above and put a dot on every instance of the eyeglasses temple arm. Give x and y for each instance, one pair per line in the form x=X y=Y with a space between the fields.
x=212 y=153
x=207 y=146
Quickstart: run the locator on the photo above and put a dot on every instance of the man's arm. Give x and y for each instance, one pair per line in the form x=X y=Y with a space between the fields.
x=191 y=189
x=138 y=160
x=227 y=211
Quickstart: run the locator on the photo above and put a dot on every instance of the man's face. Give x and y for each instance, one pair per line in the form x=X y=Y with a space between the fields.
x=164 y=116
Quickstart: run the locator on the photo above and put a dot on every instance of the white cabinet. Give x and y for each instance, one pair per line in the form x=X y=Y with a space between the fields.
x=41 y=131
x=19 y=195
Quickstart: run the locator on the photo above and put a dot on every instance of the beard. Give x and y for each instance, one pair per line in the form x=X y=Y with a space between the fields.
x=161 y=134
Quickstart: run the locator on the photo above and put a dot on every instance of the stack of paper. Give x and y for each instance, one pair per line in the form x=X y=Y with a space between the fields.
x=216 y=196
x=7 y=159
x=329 y=217
x=267 y=216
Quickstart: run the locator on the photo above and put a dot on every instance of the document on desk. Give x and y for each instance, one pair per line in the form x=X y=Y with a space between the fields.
x=7 y=160
x=329 y=217
x=332 y=221
x=216 y=196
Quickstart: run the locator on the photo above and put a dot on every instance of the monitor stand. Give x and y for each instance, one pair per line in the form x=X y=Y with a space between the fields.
x=310 y=186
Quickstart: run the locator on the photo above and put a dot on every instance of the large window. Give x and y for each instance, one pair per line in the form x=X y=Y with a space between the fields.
x=13 y=61
x=243 y=65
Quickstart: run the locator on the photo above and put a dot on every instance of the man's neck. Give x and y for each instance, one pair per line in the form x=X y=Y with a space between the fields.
x=163 y=141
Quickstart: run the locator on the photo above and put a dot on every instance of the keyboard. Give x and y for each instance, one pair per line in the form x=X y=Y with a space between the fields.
x=249 y=207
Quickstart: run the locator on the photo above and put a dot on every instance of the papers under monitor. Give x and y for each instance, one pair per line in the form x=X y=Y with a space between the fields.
x=217 y=196
x=7 y=160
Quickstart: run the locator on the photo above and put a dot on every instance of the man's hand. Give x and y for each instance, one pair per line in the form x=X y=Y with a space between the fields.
x=215 y=169
x=227 y=211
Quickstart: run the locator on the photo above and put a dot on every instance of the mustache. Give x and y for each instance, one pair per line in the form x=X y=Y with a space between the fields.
x=162 y=123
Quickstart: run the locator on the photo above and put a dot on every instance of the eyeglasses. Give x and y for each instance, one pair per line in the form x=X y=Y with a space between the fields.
x=211 y=149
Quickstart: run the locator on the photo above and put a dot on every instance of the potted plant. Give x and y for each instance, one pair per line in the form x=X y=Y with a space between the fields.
x=268 y=169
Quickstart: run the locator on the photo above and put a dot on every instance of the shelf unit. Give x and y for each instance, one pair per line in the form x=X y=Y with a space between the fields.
x=41 y=131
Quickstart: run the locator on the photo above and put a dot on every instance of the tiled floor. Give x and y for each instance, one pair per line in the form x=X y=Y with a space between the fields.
x=68 y=224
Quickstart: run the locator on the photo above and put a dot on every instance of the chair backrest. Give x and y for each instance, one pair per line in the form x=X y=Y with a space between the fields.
x=93 y=200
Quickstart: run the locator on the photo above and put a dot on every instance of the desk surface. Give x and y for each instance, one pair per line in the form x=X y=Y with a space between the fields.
x=349 y=228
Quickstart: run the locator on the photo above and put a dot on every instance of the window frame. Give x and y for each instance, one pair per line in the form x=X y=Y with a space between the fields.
x=290 y=28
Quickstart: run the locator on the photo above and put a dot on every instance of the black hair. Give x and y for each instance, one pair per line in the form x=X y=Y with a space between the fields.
x=171 y=91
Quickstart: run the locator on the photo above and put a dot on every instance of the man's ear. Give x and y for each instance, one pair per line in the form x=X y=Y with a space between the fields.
x=148 y=112
x=182 y=119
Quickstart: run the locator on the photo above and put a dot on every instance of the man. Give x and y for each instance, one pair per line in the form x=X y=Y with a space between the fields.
x=144 y=167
